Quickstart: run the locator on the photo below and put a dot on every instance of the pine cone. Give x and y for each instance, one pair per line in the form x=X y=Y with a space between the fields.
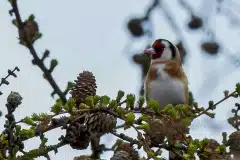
x=85 y=86
x=130 y=150
x=77 y=134
x=29 y=30
x=156 y=132
x=101 y=123
x=234 y=142
x=121 y=155
x=163 y=126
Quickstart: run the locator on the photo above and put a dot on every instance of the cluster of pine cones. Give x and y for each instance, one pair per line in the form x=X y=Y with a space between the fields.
x=85 y=126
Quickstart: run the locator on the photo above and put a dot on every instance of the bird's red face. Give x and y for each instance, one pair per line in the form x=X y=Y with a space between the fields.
x=161 y=49
x=156 y=50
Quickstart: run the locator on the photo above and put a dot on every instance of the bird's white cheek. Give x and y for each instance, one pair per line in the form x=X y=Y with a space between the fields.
x=166 y=55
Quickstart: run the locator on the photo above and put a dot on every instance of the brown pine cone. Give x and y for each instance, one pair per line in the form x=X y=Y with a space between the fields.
x=121 y=155
x=156 y=133
x=130 y=150
x=80 y=131
x=100 y=123
x=85 y=86
x=97 y=125
x=165 y=126
x=77 y=134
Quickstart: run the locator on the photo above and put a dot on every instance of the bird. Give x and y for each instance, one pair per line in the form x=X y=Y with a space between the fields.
x=166 y=82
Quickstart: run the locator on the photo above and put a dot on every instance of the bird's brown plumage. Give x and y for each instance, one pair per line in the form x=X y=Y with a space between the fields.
x=174 y=69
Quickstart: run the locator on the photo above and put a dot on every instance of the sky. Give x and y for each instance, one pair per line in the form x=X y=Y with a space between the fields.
x=87 y=35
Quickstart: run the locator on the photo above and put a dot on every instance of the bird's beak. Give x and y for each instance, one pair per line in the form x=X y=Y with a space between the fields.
x=149 y=51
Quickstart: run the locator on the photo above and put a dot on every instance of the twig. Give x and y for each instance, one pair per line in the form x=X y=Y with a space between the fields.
x=120 y=126
x=217 y=103
x=121 y=103
x=10 y=73
x=135 y=141
x=151 y=8
x=171 y=148
x=56 y=122
x=36 y=59
x=42 y=152
x=186 y=6
x=96 y=147
x=125 y=137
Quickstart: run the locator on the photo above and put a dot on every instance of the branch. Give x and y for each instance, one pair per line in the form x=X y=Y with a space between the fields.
x=55 y=123
x=47 y=74
x=125 y=137
x=13 y=101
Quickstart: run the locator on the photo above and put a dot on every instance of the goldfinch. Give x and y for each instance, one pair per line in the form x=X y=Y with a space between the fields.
x=166 y=81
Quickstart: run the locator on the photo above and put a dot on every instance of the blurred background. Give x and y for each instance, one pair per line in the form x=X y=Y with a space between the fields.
x=108 y=37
